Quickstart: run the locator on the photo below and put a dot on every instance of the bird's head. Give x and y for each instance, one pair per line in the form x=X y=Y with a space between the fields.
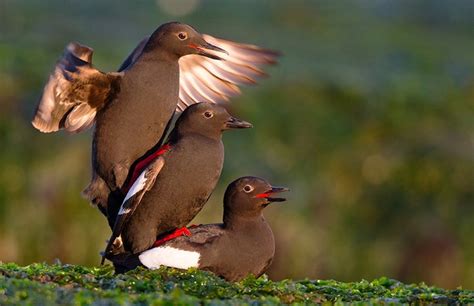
x=249 y=195
x=180 y=39
x=208 y=119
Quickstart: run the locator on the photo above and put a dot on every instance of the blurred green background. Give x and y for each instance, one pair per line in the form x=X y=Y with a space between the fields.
x=368 y=118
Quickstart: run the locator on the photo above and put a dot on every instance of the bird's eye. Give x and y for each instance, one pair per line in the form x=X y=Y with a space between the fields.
x=248 y=188
x=208 y=114
x=182 y=35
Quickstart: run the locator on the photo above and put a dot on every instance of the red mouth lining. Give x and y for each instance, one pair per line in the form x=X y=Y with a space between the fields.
x=194 y=46
x=141 y=165
x=263 y=195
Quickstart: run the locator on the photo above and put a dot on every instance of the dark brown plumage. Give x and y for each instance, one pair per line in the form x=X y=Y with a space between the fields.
x=173 y=68
x=188 y=171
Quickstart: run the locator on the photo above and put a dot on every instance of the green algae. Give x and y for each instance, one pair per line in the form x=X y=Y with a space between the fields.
x=44 y=284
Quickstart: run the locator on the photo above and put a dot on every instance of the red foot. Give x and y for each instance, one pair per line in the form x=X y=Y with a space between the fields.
x=177 y=233
x=141 y=165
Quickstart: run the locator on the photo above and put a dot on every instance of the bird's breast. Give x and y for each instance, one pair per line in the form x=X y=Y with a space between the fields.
x=135 y=120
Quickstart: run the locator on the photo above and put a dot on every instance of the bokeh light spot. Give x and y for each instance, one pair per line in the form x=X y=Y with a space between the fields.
x=178 y=7
x=376 y=169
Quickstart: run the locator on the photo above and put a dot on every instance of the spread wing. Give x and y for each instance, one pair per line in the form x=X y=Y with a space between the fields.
x=205 y=79
x=142 y=184
x=74 y=93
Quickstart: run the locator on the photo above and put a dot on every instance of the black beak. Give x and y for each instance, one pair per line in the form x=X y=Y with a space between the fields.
x=277 y=190
x=208 y=50
x=234 y=123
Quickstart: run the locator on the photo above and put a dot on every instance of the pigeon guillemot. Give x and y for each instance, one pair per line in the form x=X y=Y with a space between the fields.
x=172 y=185
x=170 y=70
x=242 y=245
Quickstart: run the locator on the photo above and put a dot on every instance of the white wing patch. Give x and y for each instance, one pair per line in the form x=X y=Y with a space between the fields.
x=170 y=257
x=137 y=186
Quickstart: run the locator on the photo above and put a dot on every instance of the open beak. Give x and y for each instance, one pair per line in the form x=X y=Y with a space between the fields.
x=234 y=123
x=208 y=50
x=268 y=194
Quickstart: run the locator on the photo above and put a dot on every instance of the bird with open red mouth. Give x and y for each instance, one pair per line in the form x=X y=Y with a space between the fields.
x=243 y=244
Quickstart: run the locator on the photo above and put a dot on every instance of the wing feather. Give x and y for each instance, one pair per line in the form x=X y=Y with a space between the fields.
x=142 y=184
x=202 y=236
x=206 y=79
x=74 y=93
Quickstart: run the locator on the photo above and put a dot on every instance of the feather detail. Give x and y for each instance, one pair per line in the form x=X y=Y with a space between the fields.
x=140 y=186
x=205 y=79
x=170 y=257
x=74 y=93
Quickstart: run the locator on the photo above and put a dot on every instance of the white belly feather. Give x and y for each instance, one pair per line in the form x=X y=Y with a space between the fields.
x=170 y=257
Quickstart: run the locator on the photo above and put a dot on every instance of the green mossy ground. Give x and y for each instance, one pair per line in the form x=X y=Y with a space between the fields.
x=43 y=284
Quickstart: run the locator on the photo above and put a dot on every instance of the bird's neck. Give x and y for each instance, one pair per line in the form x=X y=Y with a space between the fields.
x=150 y=79
x=178 y=133
x=158 y=54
